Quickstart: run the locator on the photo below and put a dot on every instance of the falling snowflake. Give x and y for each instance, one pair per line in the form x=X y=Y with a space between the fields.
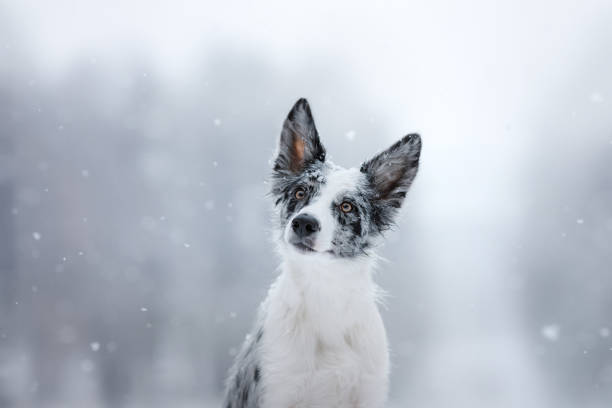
x=550 y=332
x=596 y=97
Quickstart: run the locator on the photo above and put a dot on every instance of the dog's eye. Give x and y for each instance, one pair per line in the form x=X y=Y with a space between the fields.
x=346 y=207
x=300 y=193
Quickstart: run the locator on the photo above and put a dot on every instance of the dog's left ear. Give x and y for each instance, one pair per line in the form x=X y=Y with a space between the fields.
x=392 y=171
x=299 y=143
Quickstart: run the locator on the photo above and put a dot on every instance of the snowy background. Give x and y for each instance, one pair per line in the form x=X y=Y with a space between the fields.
x=135 y=237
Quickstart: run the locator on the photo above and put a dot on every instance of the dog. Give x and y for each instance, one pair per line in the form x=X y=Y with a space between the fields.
x=319 y=340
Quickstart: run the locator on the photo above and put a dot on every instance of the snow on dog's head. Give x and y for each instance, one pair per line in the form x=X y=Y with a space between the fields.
x=326 y=209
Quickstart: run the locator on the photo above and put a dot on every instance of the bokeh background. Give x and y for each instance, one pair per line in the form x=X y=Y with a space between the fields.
x=135 y=231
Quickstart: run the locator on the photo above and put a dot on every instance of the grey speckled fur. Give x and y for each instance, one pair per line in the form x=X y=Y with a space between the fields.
x=243 y=388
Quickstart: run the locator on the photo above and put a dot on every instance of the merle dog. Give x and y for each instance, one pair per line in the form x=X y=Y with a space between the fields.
x=319 y=340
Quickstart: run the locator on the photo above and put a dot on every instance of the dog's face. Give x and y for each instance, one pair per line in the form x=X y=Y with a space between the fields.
x=329 y=210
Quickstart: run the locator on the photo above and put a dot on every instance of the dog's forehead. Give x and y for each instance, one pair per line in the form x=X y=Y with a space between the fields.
x=339 y=179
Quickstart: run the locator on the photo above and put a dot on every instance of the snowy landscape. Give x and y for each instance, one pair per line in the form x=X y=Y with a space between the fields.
x=135 y=235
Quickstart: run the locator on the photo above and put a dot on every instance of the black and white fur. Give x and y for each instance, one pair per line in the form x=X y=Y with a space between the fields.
x=319 y=340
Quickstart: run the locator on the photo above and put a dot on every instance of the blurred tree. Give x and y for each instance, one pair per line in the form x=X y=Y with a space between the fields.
x=567 y=249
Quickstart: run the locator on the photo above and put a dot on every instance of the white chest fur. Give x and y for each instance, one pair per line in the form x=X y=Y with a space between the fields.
x=324 y=343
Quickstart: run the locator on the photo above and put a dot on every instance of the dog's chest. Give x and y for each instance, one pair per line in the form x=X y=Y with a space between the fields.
x=320 y=351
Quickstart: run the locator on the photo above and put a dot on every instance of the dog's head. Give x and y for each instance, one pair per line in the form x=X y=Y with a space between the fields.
x=326 y=209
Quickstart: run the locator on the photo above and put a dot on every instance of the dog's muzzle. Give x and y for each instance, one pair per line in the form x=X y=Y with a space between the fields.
x=304 y=228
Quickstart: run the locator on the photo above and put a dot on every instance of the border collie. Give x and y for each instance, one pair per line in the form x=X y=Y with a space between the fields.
x=319 y=340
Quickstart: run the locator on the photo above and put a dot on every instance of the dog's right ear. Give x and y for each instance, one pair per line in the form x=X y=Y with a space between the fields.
x=299 y=143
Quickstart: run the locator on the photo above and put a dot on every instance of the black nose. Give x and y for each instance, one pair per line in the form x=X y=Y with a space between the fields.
x=304 y=225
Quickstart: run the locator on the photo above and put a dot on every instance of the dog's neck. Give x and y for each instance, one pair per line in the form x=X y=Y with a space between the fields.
x=322 y=272
x=324 y=293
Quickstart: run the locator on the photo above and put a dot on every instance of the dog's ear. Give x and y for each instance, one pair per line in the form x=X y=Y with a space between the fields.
x=299 y=143
x=392 y=171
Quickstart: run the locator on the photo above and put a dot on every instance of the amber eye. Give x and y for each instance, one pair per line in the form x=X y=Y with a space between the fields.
x=300 y=193
x=346 y=207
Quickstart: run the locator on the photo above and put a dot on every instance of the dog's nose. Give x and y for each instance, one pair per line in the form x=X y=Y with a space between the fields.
x=304 y=225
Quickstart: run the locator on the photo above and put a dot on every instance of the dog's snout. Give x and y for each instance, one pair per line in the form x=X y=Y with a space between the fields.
x=305 y=225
